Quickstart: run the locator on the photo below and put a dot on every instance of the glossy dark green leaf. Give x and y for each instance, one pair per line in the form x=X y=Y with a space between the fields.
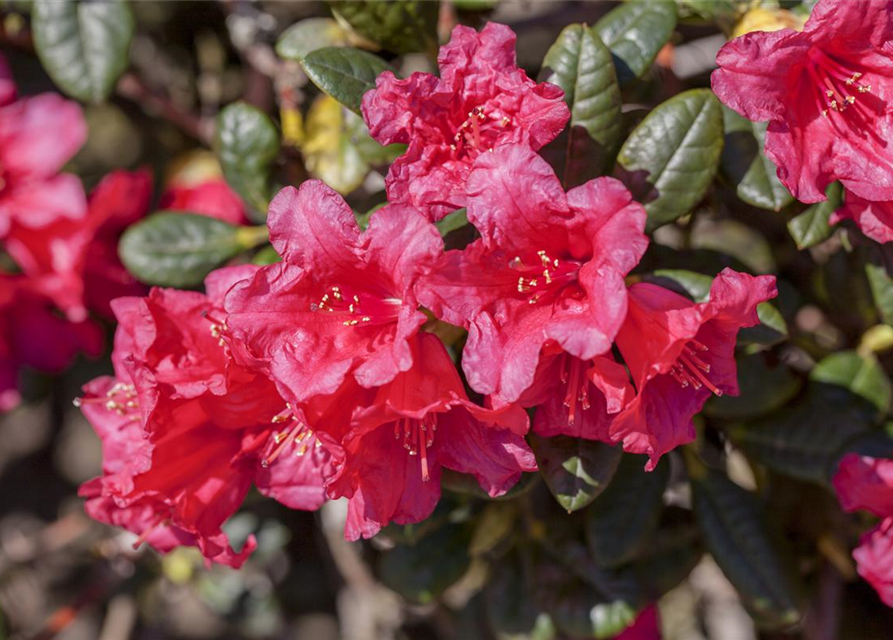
x=508 y=600
x=670 y=158
x=691 y=283
x=401 y=26
x=669 y=553
x=734 y=530
x=764 y=388
x=861 y=374
x=344 y=73
x=878 y=267
x=421 y=572
x=247 y=143
x=811 y=227
x=178 y=249
x=309 y=35
x=635 y=32
x=631 y=504
x=575 y=470
x=581 y=65
x=771 y=330
x=801 y=441
x=83 y=46
x=583 y=599
x=745 y=164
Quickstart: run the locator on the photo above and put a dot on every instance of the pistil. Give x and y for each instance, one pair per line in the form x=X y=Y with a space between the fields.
x=418 y=437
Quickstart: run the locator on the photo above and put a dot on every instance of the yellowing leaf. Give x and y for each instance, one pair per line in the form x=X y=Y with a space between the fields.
x=330 y=146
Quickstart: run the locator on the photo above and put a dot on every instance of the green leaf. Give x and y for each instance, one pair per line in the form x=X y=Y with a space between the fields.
x=247 y=143
x=474 y=5
x=344 y=73
x=267 y=255
x=495 y=525
x=811 y=227
x=510 y=609
x=631 y=504
x=83 y=46
x=801 y=441
x=771 y=330
x=861 y=374
x=401 y=26
x=452 y=221
x=421 y=572
x=309 y=35
x=734 y=530
x=581 y=65
x=669 y=553
x=175 y=249
x=764 y=388
x=670 y=158
x=736 y=239
x=695 y=285
x=635 y=32
x=583 y=599
x=575 y=470
x=745 y=164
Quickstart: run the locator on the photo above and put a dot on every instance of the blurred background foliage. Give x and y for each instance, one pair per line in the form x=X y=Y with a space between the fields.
x=267 y=94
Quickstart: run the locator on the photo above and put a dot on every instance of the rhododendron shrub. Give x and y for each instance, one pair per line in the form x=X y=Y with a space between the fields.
x=340 y=314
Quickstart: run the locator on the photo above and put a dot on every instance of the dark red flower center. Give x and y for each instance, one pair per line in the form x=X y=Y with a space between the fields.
x=3 y=180
x=355 y=307
x=418 y=436
x=573 y=374
x=543 y=276
x=691 y=370
x=837 y=83
x=297 y=432
x=120 y=398
x=478 y=133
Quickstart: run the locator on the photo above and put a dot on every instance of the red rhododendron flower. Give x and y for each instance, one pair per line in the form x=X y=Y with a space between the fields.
x=395 y=443
x=212 y=198
x=33 y=334
x=340 y=302
x=80 y=257
x=679 y=353
x=186 y=430
x=481 y=100
x=543 y=289
x=37 y=136
x=825 y=93
x=863 y=482
x=336 y=324
x=874 y=218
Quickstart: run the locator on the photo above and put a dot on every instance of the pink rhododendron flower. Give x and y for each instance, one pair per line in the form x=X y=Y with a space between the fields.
x=542 y=293
x=336 y=324
x=825 y=93
x=38 y=135
x=33 y=334
x=80 y=257
x=341 y=302
x=482 y=100
x=212 y=198
x=186 y=430
x=863 y=482
x=874 y=218
x=679 y=353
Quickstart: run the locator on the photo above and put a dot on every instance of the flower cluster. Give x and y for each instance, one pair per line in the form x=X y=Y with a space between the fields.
x=825 y=92
x=61 y=244
x=315 y=377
